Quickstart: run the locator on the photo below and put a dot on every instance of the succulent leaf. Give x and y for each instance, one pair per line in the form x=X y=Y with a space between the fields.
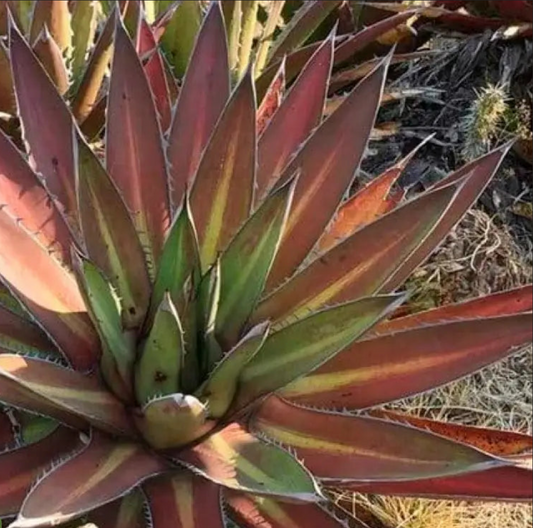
x=51 y=57
x=84 y=22
x=55 y=15
x=128 y=512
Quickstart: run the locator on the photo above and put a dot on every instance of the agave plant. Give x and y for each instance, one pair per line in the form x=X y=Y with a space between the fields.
x=177 y=318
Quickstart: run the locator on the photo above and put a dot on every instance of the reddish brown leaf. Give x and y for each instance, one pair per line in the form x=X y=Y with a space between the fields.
x=481 y=172
x=42 y=108
x=202 y=98
x=22 y=466
x=505 y=483
x=221 y=198
x=328 y=163
x=51 y=57
x=253 y=512
x=7 y=434
x=272 y=100
x=507 y=303
x=298 y=115
x=497 y=443
x=102 y=472
x=27 y=200
x=134 y=152
x=125 y=513
x=49 y=292
x=7 y=94
x=55 y=15
x=397 y=365
x=184 y=501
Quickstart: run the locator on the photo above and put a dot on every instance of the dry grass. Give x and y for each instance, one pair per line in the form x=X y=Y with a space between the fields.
x=478 y=258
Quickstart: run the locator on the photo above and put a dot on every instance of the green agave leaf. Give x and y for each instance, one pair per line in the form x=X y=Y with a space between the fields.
x=173 y=421
x=84 y=22
x=35 y=428
x=180 y=35
x=110 y=236
x=267 y=38
x=247 y=261
x=249 y=25
x=207 y=313
x=160 y=365
x=104 y=308
x=180 y=260
x=302 y=347
x=220 y=388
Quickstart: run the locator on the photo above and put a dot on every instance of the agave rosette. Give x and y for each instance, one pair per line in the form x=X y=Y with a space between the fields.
x=175 y=316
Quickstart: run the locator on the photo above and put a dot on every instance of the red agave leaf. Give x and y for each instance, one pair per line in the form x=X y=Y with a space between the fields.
x=134 y=152
x=184 y=501
x=202 y=98
x=397 y=365
x=102 y=472
x=22 y=466
x=272 y=100
x=128 y=512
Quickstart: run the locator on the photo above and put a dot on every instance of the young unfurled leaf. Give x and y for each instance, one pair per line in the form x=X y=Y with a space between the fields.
x=173 y=421
x=246 y=263
x=220 y=388
x=159 y=367
x=84 y=22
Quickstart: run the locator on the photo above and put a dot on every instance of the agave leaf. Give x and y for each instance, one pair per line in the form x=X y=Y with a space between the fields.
x=250 y=511
x=302 y=347
x=267 y=38
x=48 y=291
x=367 y=205
x=7 y=94
x=272 y=100
x=55 y=15
x=134 y=153
x=173 y=421
x=492 y=441
x=343 y=447
x=21 y=466
x=109 y=234
x=207 y=311
x=220 y=388
x=179 y=261
x=233 y=17
x=89 y=87
x=81 y=396
x=95 y=122
x=481 y=172
x=104 y=307
x=7 y=432
x=94 y=477
x=249 y=26
x=328 y=161
x=159 y=367
x=360 y=265
x=369 y=35
x=237 y=460
x=301 y=26
x=180 y=35
x=22 y=336
x=395 y=366
x=128 y=512
x=34 y=428
x=84 y=22
x=247 y=261
x=202 y=98
x=27 y=200
x=184 y=501
x=131 y=17
x=297 y=116
x=48 y=52
x=506 y=483
x=154 y=68
x=221 y=198
x=510 y=302
x=42 y=108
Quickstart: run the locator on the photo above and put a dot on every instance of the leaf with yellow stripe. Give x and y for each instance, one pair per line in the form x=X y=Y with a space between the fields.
x=393 y=366
x=246 y=263
x=92 y=478
x=109 y=234
x=221 y=198
x=362 y=263
x=237 y=460
x=343 y=447
x=328 y=162
x=184 y=501
x=23 y=465
x=302 y=347
x=128 y=512
x=71 y=392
